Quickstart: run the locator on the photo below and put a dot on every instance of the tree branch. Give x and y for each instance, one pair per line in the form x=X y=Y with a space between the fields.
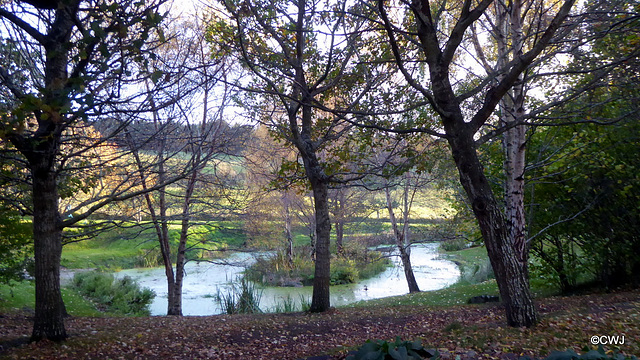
x=495 y=94
x=35 y=34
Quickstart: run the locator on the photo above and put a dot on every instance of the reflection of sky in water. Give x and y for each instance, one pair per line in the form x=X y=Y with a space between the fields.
x=204 y=279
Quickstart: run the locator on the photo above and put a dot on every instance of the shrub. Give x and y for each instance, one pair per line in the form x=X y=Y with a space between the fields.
x=456 y=244
x=396 y=350
x=120 y=296
x=344 y=272
x=356 y=263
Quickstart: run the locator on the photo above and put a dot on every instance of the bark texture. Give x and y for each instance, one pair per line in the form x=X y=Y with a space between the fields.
x=512 y=277
x=501 y=233
x=47 y=235
x=41 y=151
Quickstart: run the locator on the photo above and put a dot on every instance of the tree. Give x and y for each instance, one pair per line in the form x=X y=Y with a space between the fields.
x=295 y=81
x=350 y=205
x=463 y=114
x=180 y=130
x=583 y=201
x=402 y=236
x=271 y=209
x=77 y=59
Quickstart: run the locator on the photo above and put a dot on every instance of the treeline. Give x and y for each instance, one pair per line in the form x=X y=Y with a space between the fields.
x=177 y=135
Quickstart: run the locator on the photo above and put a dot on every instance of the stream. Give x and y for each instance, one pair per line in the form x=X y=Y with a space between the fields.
x=203 y=280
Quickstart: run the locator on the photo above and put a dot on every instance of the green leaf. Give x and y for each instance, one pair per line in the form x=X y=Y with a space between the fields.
x=156 y=75
x=399 y=354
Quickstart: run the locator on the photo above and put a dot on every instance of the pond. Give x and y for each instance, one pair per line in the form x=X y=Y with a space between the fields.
x=204 y=280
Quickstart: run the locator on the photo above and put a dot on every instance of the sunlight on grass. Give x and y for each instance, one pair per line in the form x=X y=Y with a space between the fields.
x=127 y=248
x=453 y=295
x=21 y=296
x=458 y=293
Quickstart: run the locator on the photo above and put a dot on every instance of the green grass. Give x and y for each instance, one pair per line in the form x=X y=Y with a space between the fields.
x=21 y=296
x=460 y=292
x=467 y=258
x=129 y=248
x=115 y=257
x=456 y=294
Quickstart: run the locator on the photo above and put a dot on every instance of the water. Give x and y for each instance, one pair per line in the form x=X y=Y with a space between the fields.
x=203 y=280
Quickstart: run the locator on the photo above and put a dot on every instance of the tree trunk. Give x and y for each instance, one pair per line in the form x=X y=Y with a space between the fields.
x=511 y=276
x=47 y=235
x=405 y=256
x=339 y=236
x=41 y=151
x=339 y=220
x=287 y=228
x=174 y=298
x=175 y=304
x=322 y=273
x=511 y=41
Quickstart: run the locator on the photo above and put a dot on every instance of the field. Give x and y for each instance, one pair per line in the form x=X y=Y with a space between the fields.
x=137 y=246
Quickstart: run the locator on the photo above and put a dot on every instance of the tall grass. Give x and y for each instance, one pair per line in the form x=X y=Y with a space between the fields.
x=242 y=298
x=288 y=304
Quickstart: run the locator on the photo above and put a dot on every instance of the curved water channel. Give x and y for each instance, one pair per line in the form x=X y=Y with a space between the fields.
x=203 y=281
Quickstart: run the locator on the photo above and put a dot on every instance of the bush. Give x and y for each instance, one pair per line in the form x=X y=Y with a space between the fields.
x=344 y=272
x=16 y=246
x=121 y=296
x=396 y=350
x=456 y=244
x=357 y=263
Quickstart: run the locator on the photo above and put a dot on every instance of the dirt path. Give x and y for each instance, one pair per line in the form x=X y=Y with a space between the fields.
x=473 y=332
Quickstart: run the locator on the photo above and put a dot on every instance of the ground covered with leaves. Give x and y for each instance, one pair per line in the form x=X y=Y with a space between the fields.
x=470 y=331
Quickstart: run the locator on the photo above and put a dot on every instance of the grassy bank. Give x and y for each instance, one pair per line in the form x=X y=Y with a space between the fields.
x=20 y=296
x=475 y=280
x=457 y=294
x=133 y=246
x=439 y=319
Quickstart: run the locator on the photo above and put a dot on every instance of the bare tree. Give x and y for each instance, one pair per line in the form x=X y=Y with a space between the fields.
x=194 y=124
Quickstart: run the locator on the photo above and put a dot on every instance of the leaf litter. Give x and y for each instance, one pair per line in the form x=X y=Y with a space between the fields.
x=465 y=331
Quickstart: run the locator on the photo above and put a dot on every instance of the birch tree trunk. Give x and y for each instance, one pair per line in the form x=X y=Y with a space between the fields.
x=510 y=43
x=440 y=47
x=339 y=219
